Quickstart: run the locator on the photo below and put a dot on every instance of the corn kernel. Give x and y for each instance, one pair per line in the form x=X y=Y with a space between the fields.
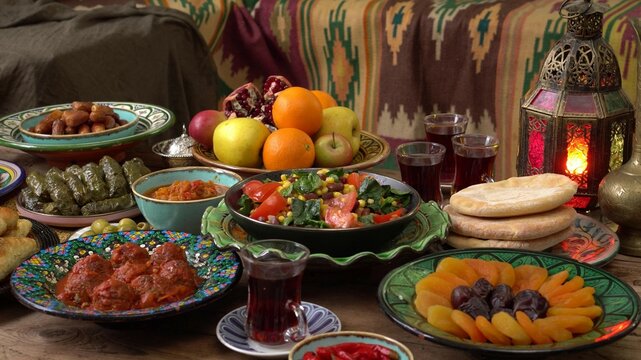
x=279 y=188
x=289 y=201
x=324 y=190
x=370 y=201
x=283 y=177
x=361 y=203
x=322 y=171
x=289 y=214
x=394 y=203
x=281 y=219
x=319 y=192
x=330 y=180
x=286 y=184
x=301 y=197
x=337 y=194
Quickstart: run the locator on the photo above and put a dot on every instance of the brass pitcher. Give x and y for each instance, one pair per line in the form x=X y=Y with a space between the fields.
x=620 y=191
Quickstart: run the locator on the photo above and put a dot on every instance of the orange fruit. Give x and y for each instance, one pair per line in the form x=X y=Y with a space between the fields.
x=297 y=107
x=325 y=98
x=288 y=148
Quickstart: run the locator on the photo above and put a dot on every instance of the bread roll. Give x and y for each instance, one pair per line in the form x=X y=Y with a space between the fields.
x=13 y=251
x=10 y=217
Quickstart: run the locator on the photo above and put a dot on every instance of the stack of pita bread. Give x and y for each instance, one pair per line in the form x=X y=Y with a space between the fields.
x=521 y=212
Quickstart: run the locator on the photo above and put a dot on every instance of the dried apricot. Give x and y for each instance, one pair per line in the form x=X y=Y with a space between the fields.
x=553 y=282
x=592 y=312
x=440 y=317
x=571 y=285
x=484 y=269
x=465 y=322
x=507 y=325
x=506 y=272
x=538 y=337
x=579 y=298
x=450 y=277
x=552 y=330
x=436 y=285
x=490 y=332
x=426 y=298
x=577 y=324
x=459 y=268
x=529 y=277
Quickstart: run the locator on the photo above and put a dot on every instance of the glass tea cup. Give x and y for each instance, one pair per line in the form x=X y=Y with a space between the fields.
x=440 y=128
x=420 y=165
x=474 y=156
x=274 y=312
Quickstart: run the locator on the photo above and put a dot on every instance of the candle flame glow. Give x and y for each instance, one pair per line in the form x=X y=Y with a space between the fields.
x=577 y=156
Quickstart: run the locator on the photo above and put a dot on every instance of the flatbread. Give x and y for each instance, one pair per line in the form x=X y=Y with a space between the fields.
x=463 y=242
x=13 y=251
x=515 y=196
x=517 y=228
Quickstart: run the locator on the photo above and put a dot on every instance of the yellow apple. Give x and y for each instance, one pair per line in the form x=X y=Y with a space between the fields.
x=239 y=141
x=332 y=150
x=344 y=121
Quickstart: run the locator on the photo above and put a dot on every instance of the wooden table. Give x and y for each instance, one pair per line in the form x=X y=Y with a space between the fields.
x=350 y=293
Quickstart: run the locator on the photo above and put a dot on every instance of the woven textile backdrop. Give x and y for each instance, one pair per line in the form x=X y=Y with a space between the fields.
x=395 y=61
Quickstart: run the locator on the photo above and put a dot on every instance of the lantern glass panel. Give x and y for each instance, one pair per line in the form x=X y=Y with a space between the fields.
x=580 y=104
x=537 y=130
x=546 y=100
x=577 y=149
x=617 y=139
x=615 y=102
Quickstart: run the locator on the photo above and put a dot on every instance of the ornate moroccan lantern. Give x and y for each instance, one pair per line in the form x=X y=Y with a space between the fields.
x=577 y=120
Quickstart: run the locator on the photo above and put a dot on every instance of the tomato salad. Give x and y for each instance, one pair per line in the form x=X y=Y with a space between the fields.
x=323 y=199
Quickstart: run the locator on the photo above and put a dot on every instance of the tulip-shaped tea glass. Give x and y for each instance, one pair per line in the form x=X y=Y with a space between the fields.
x=474 y=156
x=274 y=312
x=440 y=128
x=420 y=165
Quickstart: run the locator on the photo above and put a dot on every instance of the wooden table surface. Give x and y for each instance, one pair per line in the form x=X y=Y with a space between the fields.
x=349 y=293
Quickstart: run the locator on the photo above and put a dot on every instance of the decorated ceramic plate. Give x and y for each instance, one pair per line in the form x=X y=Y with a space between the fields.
x=45 y=237
x=152 y=120
x=619 y=301
x=429 y=225
x=11 y=176
x=231 y=330
x=592 y=242
x=373 y=151
x=73 y=221
x=34 y=281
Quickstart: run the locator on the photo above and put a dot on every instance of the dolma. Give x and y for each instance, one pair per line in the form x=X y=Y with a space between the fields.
x=60 y=192
x=37 y=182
x=78 y=188
x=30 y=200
x=57 y=208
x=134 y=169
x=76 y=170
x=93 y=178
x=114 y=177
x=108 y=205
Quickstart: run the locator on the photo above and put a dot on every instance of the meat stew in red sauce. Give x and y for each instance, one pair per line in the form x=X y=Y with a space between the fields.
x=130 y=279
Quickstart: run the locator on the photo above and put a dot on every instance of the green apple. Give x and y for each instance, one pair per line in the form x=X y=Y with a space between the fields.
x=332 y=150
x=239 y=141
x=344 y=121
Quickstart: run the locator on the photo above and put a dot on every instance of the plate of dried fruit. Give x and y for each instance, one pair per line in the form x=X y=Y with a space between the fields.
x=526 y=303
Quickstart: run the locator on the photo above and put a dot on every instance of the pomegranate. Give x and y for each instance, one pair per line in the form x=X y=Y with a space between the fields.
x=248 y=101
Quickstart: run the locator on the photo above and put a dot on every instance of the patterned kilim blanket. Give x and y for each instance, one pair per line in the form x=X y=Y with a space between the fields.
x=394 y=61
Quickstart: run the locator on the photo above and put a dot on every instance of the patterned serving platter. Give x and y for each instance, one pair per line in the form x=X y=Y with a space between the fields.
x=619 y=301
x=11 y=176
x=372 y=152
x=429 y=226
x=34 y=282
x=592 y=242
x=152 y=120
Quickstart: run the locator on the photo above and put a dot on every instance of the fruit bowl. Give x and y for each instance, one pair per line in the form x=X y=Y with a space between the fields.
x=373 y=151
x=620 y=303
x=311 y=343
x=333 y=242
x=118 y=132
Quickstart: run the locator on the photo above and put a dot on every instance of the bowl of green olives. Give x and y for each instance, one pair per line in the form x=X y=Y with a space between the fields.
x=102 y=226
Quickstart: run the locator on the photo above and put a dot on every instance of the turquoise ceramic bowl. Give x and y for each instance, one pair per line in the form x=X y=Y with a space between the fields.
x=182 y=216
x=335 y=338
x=74 y=139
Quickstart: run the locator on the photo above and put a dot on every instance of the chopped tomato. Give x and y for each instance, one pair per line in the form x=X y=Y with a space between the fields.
x=271 y=206
x=258 y=190
x=355 y=179
x=340 y=219
x=378 y=218
x=344 y=202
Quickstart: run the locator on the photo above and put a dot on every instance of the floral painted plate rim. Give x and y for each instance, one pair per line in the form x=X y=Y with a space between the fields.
x=592 y=242
x=620 y=302
x=430 y=224
x=231 y=330
x=153 y=120
x=12 y=175
x=33 y=282
x=373 y=151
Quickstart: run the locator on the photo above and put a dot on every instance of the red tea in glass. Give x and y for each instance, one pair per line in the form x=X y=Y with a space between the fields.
x=440 y=128
x=420 y=166
x=474 y=159
x=274 y=312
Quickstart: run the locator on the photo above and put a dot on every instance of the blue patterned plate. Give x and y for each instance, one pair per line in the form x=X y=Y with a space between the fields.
x=34 y=281
x=231 y=330
x=11 y=176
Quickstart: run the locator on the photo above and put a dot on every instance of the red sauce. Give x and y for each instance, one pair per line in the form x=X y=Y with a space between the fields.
x=131 y=279
x=182 y=190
